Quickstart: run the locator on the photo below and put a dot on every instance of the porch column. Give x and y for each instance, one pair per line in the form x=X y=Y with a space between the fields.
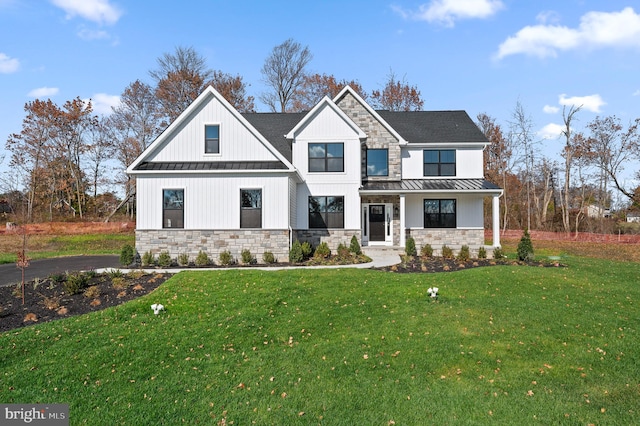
x=495 y=211
x=402 y=221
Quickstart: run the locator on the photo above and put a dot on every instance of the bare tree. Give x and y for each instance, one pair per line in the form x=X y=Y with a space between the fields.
x=397 y=95
x=569 y=153
x=523 y=142
x=284 y=72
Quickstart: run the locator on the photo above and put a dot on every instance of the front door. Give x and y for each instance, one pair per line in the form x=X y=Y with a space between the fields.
x=377 y=222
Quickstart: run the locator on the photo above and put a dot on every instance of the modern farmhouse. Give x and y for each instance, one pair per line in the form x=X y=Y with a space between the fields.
x=217 y=179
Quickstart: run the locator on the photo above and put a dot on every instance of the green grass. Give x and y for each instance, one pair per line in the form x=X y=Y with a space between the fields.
x=47 y=246
x=503 y=345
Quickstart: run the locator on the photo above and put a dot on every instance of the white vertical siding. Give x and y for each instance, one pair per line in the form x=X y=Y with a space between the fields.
x=469 y=163
x=351 y=202
x=213 y=201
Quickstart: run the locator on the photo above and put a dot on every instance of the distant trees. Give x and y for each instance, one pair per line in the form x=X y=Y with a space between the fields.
x=397 y=95
x=316 y=86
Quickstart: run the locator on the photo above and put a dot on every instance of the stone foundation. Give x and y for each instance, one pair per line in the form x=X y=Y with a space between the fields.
x=178 y=241
x=333 y=237
x=452 y=238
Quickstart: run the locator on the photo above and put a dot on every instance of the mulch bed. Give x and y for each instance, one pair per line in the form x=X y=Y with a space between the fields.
x=47 y=300
x=439 y=264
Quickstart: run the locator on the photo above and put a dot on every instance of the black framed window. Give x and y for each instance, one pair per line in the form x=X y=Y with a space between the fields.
x=326 y=157
x=173 y=208
x=250 y=208
x=440 y=162
x=326 y=212
x=439 y=213
x=212 y=139
x=377 y=162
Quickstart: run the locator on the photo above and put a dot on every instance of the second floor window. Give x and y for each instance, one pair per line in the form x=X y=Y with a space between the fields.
x=439 y=162
x=212 y=139
x=377 y=162
x=326 y=157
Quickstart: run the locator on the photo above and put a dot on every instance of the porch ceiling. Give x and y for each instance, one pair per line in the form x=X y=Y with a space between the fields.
x=431 y=185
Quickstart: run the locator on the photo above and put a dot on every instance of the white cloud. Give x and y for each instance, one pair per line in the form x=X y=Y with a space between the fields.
x=596 y=29
x=446 y=12
x=8 y=65
x=99 y=11
x=548 y=17
x=590 y=103
x=87 y=34
x=636 y=93
x=550 y=109
x=43 y=92
x=551 y=131
x=102 y=103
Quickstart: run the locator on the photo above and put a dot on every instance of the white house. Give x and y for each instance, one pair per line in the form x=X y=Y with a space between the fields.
x=219 y=180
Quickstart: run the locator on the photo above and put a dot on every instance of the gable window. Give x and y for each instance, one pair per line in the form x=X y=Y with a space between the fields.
x=212 y=139
x=439 y=213
x=326 y=212
x=440 y=162
x=326 y=157
x=250 y=208
x=173 y=208
x=377 y=162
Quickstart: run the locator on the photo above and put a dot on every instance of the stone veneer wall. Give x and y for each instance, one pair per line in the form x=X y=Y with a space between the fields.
x=333 y=237
x=213 y=242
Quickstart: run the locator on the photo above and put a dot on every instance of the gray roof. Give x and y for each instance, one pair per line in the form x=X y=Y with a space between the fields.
x=273 y=126
x=212 y=165
x=427 y=185
x=434 y=126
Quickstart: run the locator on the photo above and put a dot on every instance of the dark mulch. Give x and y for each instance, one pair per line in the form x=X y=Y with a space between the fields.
x=47 y=300
x=439 y=264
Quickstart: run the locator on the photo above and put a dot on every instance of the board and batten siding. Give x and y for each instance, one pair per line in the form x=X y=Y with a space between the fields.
x=351 y=202
x=469 y=163
x=213 y=201
x=237 y=141
x=468 y=208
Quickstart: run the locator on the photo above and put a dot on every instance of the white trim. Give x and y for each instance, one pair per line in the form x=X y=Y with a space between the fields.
x=388 y=231
x=311 y=114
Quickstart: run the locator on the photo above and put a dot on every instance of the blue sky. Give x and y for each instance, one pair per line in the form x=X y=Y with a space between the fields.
x=475 y=55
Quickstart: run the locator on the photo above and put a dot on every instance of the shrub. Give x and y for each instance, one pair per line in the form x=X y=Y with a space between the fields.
x=343 y=251
x=92 y=292
x=322 y=251
x=447 y=252
x=114 y=273
x=127 y=255
x=203 y=259
x=482 y=253
x=57 y=278
x=410 y=248
x=498 y=253
x=164 y=259
x=268 y=257
x=354 y=246
x=464 y=254
x=295 y=254
x=426 y=251
x=306 y=249
x=119 y=283
x=247 y=257
x=75 y=283
x=225 y=258
x=183 y=259
x=148 y=259
x=525 y=247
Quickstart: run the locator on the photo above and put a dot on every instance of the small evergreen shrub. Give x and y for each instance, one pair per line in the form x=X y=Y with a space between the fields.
x=57 y=278
x=447 y=252
x=482 y=253
x=202 y=259
x=92 y=292
x=464 y=254
x=183 y=259
x=426 y=251
x=75 y=283
x=498 y=253
x=343 y=252
x=225 y=258
x=127 y=255
x=114 y=273
x=268 y=257
x=306 y=249
x=247 y=257
x=525 y=247
x=410 y=248
x=354 y=246
x=164 y=259
x=322 y=251
x=295 y=254
x=148 y=259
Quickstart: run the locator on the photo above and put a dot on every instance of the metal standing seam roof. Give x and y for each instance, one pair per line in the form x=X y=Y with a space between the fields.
x=430 y=185
x=211 y=165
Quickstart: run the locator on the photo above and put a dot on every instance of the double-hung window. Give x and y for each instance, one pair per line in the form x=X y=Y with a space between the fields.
x=377 y=162
x=326 y=212
x=250 y=208
x=173 y=208
x=439 y=213
x=439 y=162
x=326 y=157
x=212 y=139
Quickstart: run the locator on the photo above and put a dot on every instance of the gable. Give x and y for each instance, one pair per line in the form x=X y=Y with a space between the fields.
x=326 y=121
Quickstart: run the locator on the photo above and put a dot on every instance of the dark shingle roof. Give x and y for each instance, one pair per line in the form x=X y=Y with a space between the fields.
x=434 y=126
x=273 y=126
x=212 y=165
x=425 y=185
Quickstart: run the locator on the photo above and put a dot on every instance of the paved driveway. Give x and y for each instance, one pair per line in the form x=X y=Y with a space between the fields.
x=10 y=274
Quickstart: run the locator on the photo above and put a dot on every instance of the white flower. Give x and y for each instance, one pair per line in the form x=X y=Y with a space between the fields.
x=429 y=290
x=157 y=308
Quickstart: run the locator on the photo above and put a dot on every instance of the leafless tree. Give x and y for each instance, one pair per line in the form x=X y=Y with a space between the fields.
x=570 y=152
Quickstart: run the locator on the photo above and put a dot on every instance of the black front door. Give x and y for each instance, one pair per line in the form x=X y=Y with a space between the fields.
x=376 y=223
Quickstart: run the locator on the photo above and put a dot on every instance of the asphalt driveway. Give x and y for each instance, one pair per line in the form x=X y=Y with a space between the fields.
x=10 y=274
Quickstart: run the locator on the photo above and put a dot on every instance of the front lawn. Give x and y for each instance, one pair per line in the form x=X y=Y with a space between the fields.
x=502 y=345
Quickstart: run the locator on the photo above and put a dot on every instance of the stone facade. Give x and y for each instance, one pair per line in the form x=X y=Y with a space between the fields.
x=452 y=238
x=178 y=241
x=333 y=237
